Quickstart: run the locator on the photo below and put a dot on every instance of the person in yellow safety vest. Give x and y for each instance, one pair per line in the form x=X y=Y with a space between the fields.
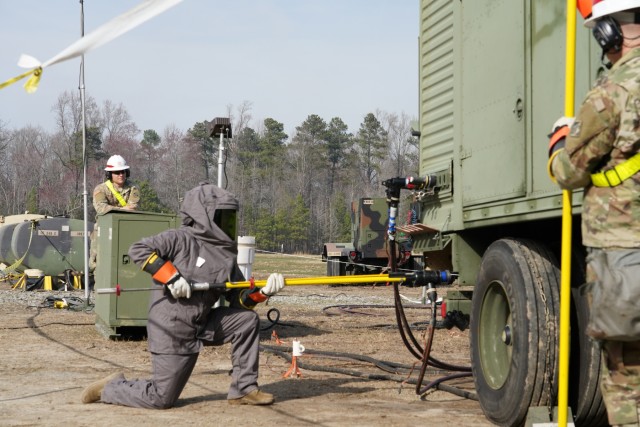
x=600 y=152
x=114 y=194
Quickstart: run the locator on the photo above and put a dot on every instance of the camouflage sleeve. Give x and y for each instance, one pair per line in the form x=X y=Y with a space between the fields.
x=100 y=201
x=590 y=140
x=134 y=198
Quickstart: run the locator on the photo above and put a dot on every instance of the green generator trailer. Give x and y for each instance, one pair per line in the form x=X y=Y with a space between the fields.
x=491 y=82
x=368 y=250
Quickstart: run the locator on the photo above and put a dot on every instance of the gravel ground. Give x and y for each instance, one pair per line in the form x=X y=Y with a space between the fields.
x=50 y=355
x=39 y=298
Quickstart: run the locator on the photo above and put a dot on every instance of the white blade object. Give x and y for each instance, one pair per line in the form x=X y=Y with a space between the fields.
x=101 y=35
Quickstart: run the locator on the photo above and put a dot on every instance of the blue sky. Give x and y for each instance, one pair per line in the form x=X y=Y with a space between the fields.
x=290 y=58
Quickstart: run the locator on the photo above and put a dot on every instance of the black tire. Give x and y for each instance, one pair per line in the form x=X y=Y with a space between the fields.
x=514 y=328
x=585 y=398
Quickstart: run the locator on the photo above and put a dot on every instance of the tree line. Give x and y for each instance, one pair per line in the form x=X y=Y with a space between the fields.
x=295 y=191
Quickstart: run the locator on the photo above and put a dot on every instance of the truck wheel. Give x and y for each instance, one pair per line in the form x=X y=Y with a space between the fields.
x=514 y=329
x=335 y=267
x=585 y=398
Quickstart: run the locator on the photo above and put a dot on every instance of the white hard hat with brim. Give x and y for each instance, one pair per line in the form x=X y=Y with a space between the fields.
x=608 y=7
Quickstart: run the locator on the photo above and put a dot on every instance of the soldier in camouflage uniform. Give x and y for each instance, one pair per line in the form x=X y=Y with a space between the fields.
x=115 y=193
x=596 y=151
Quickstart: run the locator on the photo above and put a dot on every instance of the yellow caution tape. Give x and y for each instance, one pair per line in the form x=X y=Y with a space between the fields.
x=31 y=85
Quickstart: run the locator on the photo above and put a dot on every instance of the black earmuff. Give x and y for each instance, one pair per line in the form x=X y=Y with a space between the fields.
x=608 y=34
x=107 y=174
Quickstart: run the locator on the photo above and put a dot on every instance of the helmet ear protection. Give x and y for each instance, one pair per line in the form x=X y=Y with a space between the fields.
x=608 y=34
x=107 y=174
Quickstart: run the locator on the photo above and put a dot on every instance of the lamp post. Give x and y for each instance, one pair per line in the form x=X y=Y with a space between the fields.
x=220 y=127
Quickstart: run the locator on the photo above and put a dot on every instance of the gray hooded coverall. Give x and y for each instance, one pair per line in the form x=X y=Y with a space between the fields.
x=178 y=329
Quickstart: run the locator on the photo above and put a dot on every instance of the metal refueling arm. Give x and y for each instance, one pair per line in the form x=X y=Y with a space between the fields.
x=394 y=185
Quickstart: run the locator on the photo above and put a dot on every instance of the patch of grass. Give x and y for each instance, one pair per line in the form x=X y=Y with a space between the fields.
x=289 y=265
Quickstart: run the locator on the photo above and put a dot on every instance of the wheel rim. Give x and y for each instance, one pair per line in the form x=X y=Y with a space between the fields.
x=496 y=336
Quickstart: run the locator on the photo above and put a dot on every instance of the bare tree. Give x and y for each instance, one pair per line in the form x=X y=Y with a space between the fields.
x=68 y=113
x=117 y=126
x=403 y=146
x=68 y=145
x=239 y=121
x=5 y=177
x=177 y=174
x=27 y=164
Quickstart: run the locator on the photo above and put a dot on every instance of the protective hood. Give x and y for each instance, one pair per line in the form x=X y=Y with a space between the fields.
x=198 y=211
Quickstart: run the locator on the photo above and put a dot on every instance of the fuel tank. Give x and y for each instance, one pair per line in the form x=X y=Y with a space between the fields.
x=50 y=244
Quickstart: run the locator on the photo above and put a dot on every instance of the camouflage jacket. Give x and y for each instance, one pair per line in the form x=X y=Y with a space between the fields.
x=104 y=201
x=605 y=133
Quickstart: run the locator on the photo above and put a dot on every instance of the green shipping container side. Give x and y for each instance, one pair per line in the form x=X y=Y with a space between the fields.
x=491 y=82
x=116 y=233
x=491 y=85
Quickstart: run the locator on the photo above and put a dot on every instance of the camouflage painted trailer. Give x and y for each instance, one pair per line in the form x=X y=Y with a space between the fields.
x=491 y=84
x=368 y=251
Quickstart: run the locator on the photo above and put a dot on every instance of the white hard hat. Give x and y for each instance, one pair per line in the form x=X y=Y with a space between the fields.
x=116 y=163
x=602 y=8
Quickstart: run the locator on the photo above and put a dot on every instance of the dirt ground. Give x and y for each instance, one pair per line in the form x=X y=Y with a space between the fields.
x=49 y=355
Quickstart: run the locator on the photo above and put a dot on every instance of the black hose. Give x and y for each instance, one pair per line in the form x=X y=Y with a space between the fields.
x=401 y=319
x=427 y=347
x=437 y=384
x=412 y=344
x=273 y=322
x=384 y=365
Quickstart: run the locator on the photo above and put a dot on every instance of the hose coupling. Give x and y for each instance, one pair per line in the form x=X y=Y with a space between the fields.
x=425 y=277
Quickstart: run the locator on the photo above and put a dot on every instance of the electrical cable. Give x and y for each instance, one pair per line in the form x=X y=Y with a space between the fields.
x=63 y=257
x=387 y=366
x=427 y=350
x=408 y=338
x=441 y=367
x=69 y=303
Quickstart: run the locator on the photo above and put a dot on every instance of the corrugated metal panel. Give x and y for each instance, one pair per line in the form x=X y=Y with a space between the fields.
x=436 y=84
x=492 y=116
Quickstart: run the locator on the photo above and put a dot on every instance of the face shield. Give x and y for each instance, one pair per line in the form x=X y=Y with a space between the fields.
x=225 y=219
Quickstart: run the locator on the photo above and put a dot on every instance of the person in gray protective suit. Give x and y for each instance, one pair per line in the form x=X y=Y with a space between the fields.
x=181 y=322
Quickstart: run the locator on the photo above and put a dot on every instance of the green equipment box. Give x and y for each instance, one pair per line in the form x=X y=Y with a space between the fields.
x=117 y=231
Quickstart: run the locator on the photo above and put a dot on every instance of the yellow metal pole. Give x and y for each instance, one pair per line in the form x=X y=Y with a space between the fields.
x=303 y=281
x=565 y=260
x=323 y=280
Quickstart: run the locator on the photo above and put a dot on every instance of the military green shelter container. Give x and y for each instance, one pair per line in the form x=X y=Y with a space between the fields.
x=491 y=84
x=116 y=233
